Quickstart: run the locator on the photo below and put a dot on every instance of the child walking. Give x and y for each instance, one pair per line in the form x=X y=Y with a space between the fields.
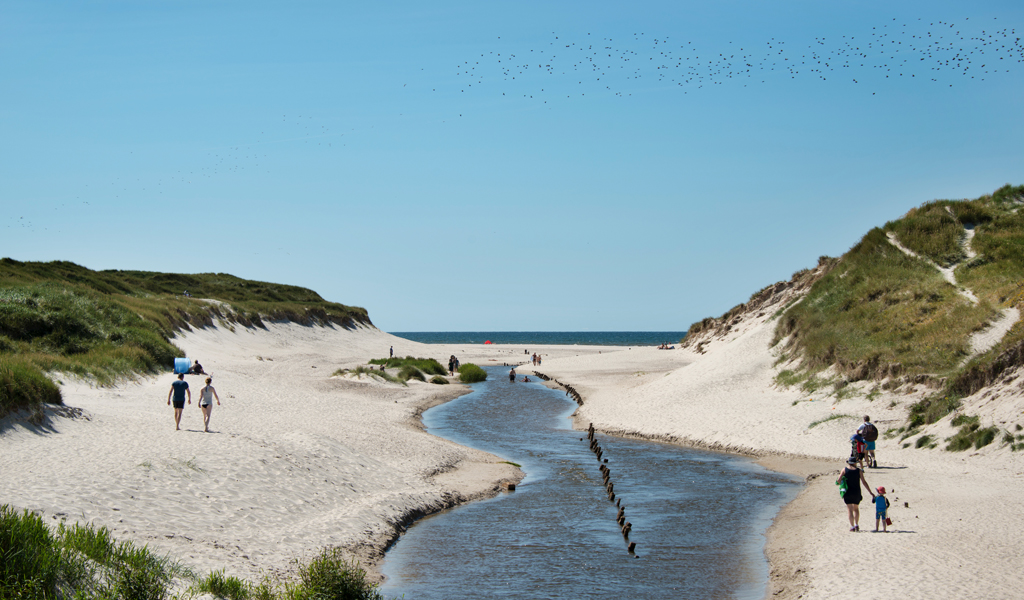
x=881 y=510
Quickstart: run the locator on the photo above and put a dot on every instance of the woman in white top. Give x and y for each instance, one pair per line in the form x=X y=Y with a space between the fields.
x=206 y=397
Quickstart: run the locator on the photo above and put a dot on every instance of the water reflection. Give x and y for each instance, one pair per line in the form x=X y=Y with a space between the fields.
x=698 y=517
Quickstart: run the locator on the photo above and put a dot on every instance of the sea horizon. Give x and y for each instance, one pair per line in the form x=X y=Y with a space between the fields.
x=547 y=338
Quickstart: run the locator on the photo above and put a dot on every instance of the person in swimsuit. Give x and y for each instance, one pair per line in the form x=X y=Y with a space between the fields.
x=206 y=397
x=512 y=375
x=852 y=497
x=179 y=389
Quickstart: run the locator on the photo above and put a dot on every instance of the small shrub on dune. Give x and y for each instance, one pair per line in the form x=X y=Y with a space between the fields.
x=330 y=576
x=470 y=373
x=427 y=365
x=410 y=372
x=223 y=586
x=438 y=380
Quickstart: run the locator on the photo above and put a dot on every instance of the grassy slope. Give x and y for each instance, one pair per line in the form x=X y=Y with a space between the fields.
x=61 y=317
x=880 y=313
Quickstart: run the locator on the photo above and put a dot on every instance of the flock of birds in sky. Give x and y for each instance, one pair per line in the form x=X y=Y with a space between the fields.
x=935 y=52
x=938 y=53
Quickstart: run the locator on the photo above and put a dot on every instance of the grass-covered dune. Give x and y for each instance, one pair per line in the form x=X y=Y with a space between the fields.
x=59 y=317
x=877 y=313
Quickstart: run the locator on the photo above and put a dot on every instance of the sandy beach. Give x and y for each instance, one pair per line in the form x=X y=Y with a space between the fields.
x=299 y=459
x=956 y=515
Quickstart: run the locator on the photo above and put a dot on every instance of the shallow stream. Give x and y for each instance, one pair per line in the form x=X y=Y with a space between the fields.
x=698 y=518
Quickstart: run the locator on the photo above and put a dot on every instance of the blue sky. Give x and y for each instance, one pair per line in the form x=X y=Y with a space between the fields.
x=625 y=166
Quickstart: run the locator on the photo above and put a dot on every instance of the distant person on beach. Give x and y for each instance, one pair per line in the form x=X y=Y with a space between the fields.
x=512 y=375
x=197 y=369
x=451 y=365
x=179 y=389
x=206 y=396
x=869 y=432
x=882 y=510
x=392 y=351
x=850 y=480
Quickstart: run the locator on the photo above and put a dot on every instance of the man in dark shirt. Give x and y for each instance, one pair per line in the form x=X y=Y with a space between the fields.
x=179 y=389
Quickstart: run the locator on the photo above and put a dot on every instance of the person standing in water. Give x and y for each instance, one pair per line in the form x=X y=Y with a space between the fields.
x=179 y=389
x=512 y=375
x=206 y=397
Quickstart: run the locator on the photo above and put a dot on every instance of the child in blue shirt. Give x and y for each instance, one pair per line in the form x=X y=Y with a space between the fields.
x=881 y=509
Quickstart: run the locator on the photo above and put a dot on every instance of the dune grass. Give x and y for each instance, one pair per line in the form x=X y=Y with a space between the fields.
x=59 y=317
x=470 y=373
x=881 y=314
x=410 y=372
x=361 y=370
x=86 y=563
x=427 y=365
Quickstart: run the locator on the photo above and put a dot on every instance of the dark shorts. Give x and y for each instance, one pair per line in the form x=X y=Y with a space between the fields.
x=179 y=404
x=852 y=498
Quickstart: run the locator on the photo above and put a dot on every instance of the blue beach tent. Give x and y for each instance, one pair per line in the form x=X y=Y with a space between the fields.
x=182 y=365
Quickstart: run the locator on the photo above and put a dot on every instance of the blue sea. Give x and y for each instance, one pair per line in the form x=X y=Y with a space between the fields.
x=558 y=338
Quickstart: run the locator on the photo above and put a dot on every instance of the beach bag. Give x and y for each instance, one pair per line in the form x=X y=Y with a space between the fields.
x=870 y=432
x=888 y=521
x=842 y=485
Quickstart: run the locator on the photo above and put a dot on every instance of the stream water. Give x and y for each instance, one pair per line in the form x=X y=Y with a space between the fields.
x=698 y=518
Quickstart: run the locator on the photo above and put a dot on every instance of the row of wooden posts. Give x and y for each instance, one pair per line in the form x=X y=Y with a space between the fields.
x=606 y=473
x=609 y=486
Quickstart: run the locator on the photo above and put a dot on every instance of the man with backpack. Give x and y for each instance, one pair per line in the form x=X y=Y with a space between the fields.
x=869 y=432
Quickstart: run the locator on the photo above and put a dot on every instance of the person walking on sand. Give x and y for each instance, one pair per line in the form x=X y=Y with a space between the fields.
x=849 y=482
x=869 y=432
x=882 y=510
x=206 y=396
x=392 y=352
x=179 y=389
x=451 y=365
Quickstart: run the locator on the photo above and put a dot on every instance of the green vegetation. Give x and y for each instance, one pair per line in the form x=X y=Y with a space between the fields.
x=77 y=561
x=222 y=586
x=925 y=441
x=85 y=563
x=830 y=418
x=330 y=576
x=427 y=365
x=470 y=373
x=879 y=313
x=361 y=370
x=410 y=372
x=60 y=317
x=972 y=434
x=439 y=380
